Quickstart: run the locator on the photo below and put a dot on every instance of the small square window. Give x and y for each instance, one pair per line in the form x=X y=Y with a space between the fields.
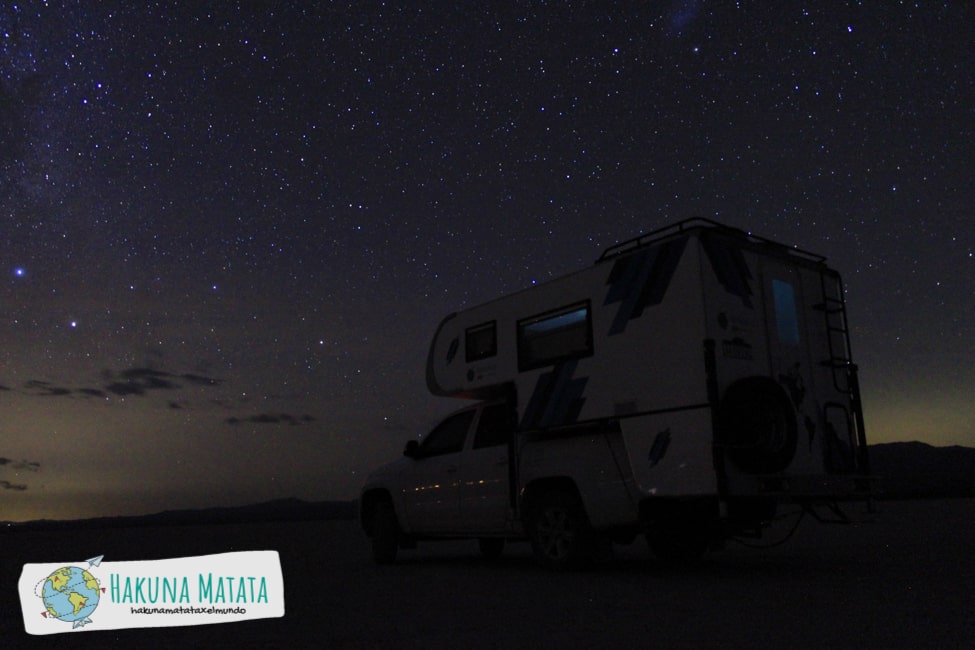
x=481 y=342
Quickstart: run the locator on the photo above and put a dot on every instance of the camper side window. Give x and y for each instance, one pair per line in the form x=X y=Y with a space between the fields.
x=554 y=336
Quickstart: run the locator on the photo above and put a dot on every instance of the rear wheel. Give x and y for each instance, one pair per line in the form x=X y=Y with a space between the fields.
x=560 y=533
x=385 y=533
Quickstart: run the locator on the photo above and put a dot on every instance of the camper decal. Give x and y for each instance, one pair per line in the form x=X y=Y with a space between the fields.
x=557 y=398
x=729 y=266
x=452 y=350
x=640 y=280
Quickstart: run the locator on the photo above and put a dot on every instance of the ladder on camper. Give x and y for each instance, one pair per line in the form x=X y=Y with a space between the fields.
x=840 y=362
x=833 y=307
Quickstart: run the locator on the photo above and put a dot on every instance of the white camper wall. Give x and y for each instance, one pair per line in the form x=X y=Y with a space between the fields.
x=650 y=359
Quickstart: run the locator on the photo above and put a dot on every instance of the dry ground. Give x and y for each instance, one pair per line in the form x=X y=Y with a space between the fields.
x=904 y=580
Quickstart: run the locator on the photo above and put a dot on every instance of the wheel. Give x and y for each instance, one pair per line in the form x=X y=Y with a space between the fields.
x=560 y=533
x=385 y=533
x=491 y=547
x=758 y=425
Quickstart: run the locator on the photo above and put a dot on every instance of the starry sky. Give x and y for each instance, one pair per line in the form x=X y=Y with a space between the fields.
x=230 y=228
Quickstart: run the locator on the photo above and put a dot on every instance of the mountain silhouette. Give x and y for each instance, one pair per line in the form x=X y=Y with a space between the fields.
x=907 y=470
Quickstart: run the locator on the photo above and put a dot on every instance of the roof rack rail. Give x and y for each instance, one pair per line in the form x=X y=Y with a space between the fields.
x=646 y=239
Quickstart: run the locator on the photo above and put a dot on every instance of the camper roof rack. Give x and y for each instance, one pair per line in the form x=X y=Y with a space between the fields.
x=699 y=222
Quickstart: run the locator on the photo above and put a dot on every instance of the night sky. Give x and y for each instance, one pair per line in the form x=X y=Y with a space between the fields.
x=230 y=231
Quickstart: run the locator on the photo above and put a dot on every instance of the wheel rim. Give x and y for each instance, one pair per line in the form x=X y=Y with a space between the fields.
x=556 y=533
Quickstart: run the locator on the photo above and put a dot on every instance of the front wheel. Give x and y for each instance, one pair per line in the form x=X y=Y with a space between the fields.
x=559 y=530
x=385 y=534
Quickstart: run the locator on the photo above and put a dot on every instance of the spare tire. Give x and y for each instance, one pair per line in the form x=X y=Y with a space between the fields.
x=758 y=426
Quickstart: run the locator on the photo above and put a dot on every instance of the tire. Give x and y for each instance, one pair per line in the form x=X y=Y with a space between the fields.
x=758 y=426
x=560 y=533
x=385 y=533
x=491 y=547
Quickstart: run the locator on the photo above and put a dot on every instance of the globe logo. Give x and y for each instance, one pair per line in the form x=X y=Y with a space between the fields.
x=70 y=594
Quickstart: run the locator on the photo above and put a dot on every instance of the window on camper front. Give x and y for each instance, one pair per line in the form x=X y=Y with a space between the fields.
x=554 y=336
x=481 y=342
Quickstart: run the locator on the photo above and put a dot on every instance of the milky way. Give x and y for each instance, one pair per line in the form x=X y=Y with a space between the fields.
x=229 y=232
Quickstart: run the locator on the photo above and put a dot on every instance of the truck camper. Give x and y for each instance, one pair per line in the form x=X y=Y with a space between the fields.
x=685 y=386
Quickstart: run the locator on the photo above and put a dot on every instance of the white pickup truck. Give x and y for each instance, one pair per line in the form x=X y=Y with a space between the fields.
x=683 y=387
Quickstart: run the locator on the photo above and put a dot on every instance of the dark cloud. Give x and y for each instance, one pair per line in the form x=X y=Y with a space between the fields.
x=140 y=386
x=272 y=418
x=200 y=380
x=124 y=388
x=138 y=381
x=45 y=389
x=20 y=464
x=27 y=465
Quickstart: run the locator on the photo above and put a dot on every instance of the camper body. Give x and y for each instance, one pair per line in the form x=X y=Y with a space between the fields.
x=685 y=385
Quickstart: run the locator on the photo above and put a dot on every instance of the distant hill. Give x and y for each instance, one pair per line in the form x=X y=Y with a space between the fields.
x=277 y=510
x=905 y=470
x=917 y=470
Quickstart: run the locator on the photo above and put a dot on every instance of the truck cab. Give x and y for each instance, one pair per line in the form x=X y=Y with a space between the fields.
x=453 y=482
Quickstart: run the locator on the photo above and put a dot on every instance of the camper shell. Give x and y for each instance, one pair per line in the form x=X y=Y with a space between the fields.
x=689 y=382
x=722 y=357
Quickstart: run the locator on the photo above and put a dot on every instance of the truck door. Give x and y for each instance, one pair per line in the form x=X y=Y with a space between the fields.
x=484 y=493
x=432 y=481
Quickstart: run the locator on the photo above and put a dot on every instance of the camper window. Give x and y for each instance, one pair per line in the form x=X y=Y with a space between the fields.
x=786 y=319
x=481 y=342
x=554 y=336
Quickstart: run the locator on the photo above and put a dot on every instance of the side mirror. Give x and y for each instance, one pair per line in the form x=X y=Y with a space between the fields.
x=412 y=447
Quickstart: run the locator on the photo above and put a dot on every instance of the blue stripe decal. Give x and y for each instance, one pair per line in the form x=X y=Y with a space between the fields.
x=641 y=280
x=730 y=267
x=557 y=398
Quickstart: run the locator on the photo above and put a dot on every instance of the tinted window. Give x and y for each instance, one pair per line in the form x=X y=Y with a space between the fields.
x=551 y=337
x=448 y=436
x=494 y=427
x=786 y=317
x=481 y=342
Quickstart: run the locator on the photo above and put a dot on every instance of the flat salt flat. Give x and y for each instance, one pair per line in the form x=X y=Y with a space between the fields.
x=903 y=577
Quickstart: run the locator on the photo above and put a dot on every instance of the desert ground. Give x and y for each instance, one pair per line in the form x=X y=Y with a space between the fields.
x=903 y=577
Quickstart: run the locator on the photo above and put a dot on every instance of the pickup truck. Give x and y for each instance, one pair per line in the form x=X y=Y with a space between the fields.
x=684 y=387
x=457 y=483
